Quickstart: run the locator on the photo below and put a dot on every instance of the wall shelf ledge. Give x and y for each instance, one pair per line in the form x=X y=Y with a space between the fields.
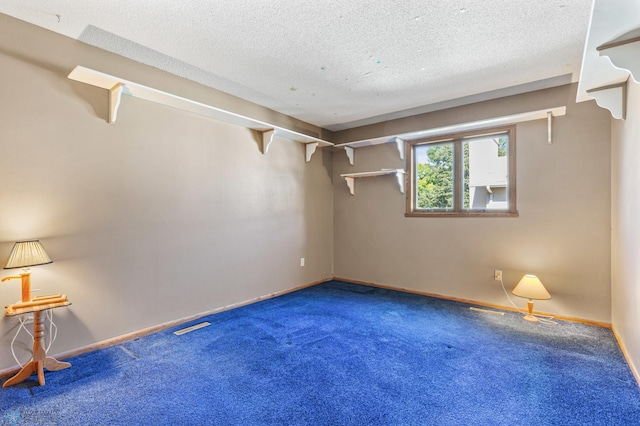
x=349 y=147
x=118 y=86
x=505 y=120
x=351 y=177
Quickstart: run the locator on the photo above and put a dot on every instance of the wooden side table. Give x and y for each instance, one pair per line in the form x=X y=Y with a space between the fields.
x=40 y=360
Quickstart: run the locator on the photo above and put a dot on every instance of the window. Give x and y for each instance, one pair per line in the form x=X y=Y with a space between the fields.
x=468 y=174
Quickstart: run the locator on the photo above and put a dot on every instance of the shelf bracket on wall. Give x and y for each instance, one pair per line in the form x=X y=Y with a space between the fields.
x=351 y=184
x=267 y=138
x=115 y=96
x=624 y=52
x=401 y=180
x=310 y=148
x=613 y=98
x=549 y=127
x=118 y=86
x=400 y=144
x=351 y=152
x=351 y=177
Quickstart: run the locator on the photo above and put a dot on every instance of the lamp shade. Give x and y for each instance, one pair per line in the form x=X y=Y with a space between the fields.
x=27 y=253
x=530 y=287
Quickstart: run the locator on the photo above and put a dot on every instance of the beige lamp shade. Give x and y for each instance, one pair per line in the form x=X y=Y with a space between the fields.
x=531 y=288
x=27 y=253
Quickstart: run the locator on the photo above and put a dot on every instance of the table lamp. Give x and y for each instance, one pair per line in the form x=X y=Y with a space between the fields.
x=531 y=288
x=23 y=255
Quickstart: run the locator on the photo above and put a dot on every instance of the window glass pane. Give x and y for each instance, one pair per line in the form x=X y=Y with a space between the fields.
x=434 y=176
x=486 y=173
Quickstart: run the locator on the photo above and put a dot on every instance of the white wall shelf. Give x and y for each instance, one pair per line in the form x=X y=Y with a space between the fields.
x=350 y=178
x=400 y=139
x=349 y=147
x=118 y=86
x=611 y=54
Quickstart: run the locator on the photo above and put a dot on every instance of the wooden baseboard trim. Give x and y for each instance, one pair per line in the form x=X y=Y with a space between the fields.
x=139 y=333
x=472 y=302
x=632 y=367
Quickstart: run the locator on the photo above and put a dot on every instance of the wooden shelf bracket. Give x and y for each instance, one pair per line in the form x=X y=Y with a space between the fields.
x=612 y=97
x=115 y=97
x=400 y=143
x=351 y=152
x=267 y=138
x=310 y=149
x=624 y=52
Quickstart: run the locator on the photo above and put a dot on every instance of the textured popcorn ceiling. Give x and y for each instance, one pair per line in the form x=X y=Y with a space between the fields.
x=337 y=64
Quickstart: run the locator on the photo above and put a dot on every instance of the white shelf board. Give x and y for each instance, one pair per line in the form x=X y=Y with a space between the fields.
x=351 y=177
x=118 y=86
x=400 y=139
x=349 y=147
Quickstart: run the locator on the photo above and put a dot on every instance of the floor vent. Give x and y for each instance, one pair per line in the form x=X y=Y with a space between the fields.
x=487 y=311
x=192 y=328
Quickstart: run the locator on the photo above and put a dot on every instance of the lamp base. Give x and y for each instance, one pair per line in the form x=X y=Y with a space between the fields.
x=529 y=316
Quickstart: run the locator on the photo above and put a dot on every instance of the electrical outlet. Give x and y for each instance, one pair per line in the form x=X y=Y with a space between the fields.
x=497 y=275
x=302 y=261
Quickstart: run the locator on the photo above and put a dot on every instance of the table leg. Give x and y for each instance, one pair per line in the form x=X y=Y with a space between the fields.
x=40 y=360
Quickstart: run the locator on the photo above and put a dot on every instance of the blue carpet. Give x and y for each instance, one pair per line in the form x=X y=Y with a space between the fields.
x=343 y=354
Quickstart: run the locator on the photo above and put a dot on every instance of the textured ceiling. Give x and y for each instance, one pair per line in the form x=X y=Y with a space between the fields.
x=337 y=64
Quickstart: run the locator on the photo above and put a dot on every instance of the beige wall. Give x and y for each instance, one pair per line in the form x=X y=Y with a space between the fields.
x=562 y=233
x=625 y=238
x=159 y=216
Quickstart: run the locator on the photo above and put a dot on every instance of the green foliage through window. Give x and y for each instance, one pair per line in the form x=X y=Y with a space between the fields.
x=434 y=180
x=503 y=145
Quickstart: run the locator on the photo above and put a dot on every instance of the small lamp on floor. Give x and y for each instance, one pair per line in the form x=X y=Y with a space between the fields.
x=23 y=255
x=530 y=287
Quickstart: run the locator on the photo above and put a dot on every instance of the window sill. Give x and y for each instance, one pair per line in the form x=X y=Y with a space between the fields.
x=462 y=214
